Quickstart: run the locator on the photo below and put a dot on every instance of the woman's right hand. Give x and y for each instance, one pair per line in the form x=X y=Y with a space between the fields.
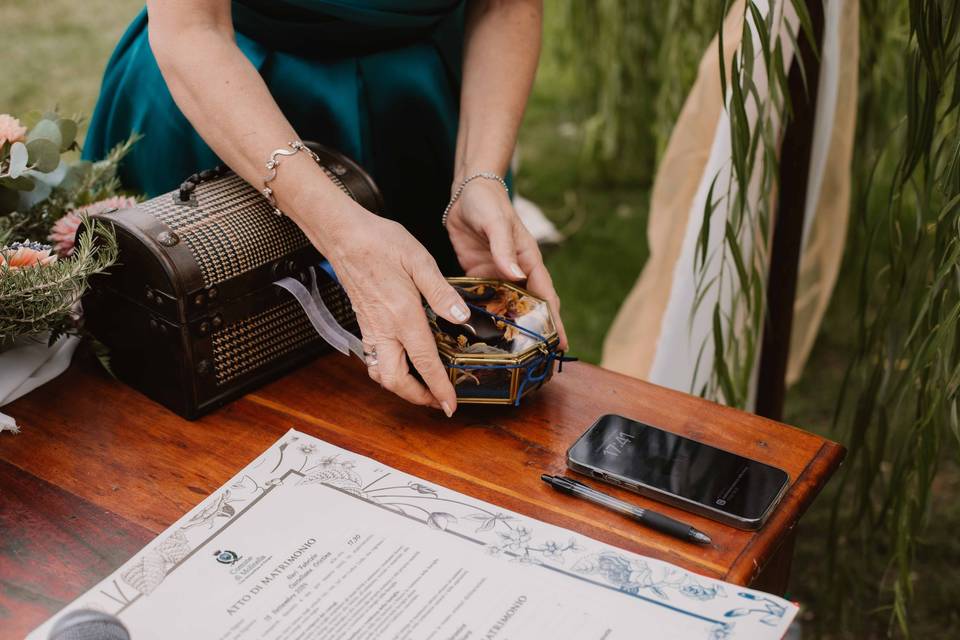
x=385 y=270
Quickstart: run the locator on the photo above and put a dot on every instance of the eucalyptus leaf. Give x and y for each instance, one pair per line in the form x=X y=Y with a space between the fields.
x=19 y=157
x=44 y=184
x=68 y=133
x=23 y=183
x=44 y=154
x=46 y=130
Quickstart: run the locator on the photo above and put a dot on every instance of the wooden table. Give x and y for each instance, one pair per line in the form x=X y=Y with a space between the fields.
x=99 y=470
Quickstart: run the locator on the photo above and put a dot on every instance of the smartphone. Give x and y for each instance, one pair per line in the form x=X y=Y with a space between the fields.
x=684 y=473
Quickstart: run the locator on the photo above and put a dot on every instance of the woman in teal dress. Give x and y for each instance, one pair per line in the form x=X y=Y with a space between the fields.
x=427 y=95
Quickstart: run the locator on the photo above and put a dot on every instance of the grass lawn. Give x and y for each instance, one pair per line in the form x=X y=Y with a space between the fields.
x=596 y=266
x=54 y=51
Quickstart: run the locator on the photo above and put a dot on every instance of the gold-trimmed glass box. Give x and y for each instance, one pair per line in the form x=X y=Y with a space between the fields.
x=505 y=350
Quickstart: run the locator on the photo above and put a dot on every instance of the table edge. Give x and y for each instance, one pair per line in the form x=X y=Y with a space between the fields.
x=745 y=569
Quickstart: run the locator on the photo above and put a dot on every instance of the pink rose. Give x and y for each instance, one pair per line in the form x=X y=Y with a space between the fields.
x=65 y=229
x=11 y=130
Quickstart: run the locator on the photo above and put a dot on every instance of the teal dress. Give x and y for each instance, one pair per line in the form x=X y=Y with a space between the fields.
x=377 y=79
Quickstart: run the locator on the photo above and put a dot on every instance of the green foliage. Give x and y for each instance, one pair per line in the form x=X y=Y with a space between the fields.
x=596 y=266
x=25 y=164
x=55 y=50
x=898 y=407
x=733 y=275
x=897 y=301
x=605 y=246
x=82 y=183
x=43 y=298
x=35 y=300
x=632 y=64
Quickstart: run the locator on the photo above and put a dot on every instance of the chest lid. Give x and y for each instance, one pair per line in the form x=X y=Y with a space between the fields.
x=216 y=239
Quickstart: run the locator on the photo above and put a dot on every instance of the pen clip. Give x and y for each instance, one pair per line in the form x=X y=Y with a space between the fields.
x=576 y=482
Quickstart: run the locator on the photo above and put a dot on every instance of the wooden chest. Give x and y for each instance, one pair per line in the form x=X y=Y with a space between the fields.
x=190 y=312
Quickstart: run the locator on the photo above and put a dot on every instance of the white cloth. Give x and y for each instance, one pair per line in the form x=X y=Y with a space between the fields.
x=680 y=362
x=654 y=336
x=28 y=364
x=539 y=226
x=536 y=223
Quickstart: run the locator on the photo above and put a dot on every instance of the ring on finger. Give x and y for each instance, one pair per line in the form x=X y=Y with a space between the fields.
x=370 y=357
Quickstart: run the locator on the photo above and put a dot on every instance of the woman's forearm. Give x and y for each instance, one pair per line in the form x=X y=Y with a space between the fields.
x=230 y=106
x=501 y=49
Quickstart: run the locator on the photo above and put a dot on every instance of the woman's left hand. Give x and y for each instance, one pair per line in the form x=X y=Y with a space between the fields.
x=491 y=242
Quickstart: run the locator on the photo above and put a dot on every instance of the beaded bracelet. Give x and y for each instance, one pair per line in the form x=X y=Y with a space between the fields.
x=274 y=162
x=489 y=175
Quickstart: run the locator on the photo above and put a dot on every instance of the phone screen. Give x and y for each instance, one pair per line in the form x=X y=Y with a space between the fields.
x=679 y=466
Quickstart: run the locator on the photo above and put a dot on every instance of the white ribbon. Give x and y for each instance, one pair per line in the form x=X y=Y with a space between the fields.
x=320 y=317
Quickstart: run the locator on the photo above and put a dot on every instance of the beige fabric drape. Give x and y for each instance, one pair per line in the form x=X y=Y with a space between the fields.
x=632 y=341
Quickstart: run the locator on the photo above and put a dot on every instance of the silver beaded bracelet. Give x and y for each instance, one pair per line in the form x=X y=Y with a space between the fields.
x=489 y=175
x=274 y=162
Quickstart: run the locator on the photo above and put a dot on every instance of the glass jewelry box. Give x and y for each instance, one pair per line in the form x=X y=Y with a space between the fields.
x=505 y=350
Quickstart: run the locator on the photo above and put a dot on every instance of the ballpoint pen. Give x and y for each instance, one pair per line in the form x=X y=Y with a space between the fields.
x=652 y=519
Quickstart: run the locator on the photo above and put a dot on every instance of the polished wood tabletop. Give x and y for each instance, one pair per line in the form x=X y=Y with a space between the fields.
x=99 y=470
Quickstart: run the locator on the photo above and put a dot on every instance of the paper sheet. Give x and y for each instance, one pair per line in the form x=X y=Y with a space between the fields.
x=313 y=541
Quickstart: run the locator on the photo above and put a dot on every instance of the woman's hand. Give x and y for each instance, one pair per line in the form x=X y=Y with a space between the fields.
x=385 y=270
x=491 y=242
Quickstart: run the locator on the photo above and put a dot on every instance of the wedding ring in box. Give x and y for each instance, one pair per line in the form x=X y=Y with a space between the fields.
x=505 y=350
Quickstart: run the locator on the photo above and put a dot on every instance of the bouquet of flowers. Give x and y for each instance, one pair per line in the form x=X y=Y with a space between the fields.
x=44 y=265
x=49 y=248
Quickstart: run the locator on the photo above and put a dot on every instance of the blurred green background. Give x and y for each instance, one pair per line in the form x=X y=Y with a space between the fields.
x=53 y=53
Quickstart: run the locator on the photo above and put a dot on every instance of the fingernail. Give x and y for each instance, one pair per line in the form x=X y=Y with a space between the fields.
x=459 y=312
x=517 y=271
x=446 y=409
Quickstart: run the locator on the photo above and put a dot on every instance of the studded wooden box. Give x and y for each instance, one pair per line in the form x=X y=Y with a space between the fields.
x=190 y=312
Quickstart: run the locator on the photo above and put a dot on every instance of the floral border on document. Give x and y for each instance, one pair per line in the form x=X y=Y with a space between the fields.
x=725 y=609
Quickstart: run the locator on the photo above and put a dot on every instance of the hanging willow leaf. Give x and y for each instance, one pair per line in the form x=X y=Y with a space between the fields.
x=733 y=244
x=760 y=28
x=897 y=402
x=723 y=372
x=780 y=76
x=740 y=262
x=722 y=56
x=795 y=43
x=746 y=49
x=900 y=393
x=703 y=237
x=805 y=22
